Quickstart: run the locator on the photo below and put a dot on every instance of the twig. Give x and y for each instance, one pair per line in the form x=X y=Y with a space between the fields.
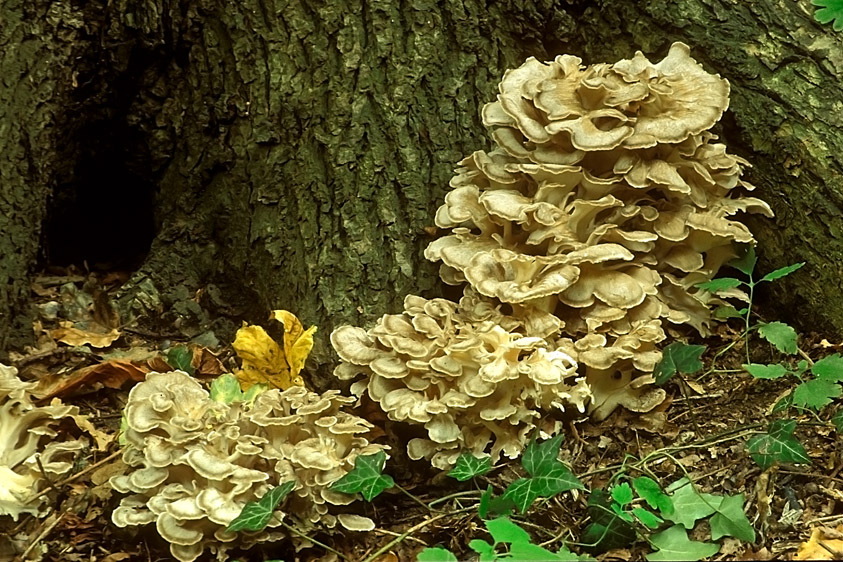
x=394 y=534
x=412 y=530
x=73 y=477
x=314 y=541
x=48 y=528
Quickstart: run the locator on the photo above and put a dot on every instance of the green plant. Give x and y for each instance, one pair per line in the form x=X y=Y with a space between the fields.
x=547 y=477
x=626 y=512
x=830 y=10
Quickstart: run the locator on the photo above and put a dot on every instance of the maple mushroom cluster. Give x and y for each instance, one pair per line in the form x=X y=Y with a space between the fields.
x=605 y=202
x=25 y=439
x=197 y=461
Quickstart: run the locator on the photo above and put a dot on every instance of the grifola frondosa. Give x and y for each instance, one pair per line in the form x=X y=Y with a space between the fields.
x=606 y=202
x=26 y=437
x=197 y=462
x=468 y=373
x=603 y=206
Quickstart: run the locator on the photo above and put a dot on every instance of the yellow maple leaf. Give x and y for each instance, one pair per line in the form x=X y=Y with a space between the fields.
x=266 y=362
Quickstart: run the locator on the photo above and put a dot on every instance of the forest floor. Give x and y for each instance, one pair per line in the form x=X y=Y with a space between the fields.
x=86 y=358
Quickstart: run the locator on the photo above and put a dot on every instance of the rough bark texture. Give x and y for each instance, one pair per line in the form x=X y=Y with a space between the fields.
x=38 y=44
x=297 y=150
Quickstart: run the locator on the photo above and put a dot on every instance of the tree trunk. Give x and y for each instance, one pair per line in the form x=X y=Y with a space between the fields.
x=292 y=154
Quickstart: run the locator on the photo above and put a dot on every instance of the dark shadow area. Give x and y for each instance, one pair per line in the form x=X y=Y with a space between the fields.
x=104 y=216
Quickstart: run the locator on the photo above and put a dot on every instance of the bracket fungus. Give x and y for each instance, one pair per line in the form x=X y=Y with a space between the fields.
x=26 y=433
x=196 y=462
x=603 y=205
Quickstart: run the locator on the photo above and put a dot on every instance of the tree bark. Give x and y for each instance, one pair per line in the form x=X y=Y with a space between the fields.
x=297 y=151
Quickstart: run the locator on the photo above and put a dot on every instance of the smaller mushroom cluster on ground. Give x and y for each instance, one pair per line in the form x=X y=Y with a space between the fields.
x=466 y=372
x=28 y=455
x=196 y=462
x=605 y=203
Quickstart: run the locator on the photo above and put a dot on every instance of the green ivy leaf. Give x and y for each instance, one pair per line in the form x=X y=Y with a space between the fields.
x=678 y=357
x=690 y=505
x=781 y=272
x=549 y=482
x=760 y=371
x=651 y=492
x=730 y=520
x=180 y=358
x=782 y=336
x=829 y=368
x=622 y=494
x=366 y=477
x=778 y=444
x=837 y=420
x=647 y=518
x=468 y=466
x=436 y=554
x=816 y=393
x=504 y=530
x=256 y=515
x=831 y=10
x=746 y=263
x=722 y=284
x=539 y=456
x=674 y=544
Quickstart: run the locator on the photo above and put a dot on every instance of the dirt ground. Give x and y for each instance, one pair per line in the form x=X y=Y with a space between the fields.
x=700 y=430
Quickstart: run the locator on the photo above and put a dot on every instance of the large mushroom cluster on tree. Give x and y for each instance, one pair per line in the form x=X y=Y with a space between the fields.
x=603 y=205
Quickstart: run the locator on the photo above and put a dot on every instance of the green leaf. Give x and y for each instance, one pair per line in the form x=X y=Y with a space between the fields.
x=674 y=544
x=543 y=455
x=837 y=420
x=648 y=518
x=180 y=358
x=831 y=10
x=760 y=371
x=781 y=272
x=468 y=466
x=778 y=444
x=226 y=389
x=607 y=530
x=504 y=530
x=829 y=368
x=678 y=357
x=782 y=336
x=551 y=481
x=622 y=494
x=366 y=477
x=690 y=505
x=816 y=393
x=730 y=520
x=746 y=263
x=484 y=549
x=722 y=284
x=436 y=554
x=485 y=499
x=724 y=312
x=526 y=552
x=256 y=515
x=651 y=492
